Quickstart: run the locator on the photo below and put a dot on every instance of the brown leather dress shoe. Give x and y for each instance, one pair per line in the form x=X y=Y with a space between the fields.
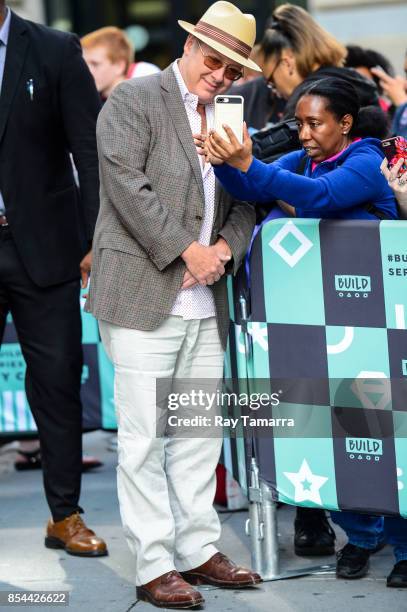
x=170 y=591
x=72 y=535
x=221 y=571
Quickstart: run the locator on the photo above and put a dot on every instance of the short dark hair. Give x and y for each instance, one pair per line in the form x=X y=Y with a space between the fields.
x=372 y=122
x=357 y=56
x=342 y=98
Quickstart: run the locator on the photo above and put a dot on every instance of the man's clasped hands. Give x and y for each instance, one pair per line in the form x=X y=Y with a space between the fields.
x=205 y=264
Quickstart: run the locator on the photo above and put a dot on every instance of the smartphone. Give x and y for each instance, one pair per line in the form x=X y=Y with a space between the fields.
x=394 y=149
x=229 y=111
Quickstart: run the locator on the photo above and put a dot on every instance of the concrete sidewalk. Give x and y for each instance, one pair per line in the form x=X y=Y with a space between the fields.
x=107 y=585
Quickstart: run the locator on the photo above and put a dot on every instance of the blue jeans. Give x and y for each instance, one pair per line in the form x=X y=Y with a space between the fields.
x=367 y=531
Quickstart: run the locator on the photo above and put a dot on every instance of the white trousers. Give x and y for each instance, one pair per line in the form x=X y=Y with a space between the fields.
x=166 y=485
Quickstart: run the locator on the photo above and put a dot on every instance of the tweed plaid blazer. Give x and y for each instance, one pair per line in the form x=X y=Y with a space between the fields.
x=152 y=205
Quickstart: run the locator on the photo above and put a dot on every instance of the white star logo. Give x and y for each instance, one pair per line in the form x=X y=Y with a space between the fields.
x=306 y=484
x=259 y=333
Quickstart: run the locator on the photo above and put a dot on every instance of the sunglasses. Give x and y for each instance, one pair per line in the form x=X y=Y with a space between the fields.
x=270 y=79
x=214 y=63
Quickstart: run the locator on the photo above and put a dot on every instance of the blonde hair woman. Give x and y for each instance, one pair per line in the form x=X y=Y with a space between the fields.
x=297 y=52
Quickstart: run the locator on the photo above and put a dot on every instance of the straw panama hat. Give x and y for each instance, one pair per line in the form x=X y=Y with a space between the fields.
x=227 y=30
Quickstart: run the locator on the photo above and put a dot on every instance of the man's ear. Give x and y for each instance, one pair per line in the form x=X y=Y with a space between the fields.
x=189 y=43
x=121 y=68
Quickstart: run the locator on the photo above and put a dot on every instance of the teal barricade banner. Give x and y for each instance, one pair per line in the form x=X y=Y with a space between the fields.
x=327 y=331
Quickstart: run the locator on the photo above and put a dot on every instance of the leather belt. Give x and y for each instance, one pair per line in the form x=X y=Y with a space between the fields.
x=3 y=221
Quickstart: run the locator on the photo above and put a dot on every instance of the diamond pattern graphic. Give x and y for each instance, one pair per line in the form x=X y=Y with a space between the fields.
x=375 y=384
x=304 y=246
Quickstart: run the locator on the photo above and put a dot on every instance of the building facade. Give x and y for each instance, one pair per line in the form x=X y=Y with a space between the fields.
x=152 y=24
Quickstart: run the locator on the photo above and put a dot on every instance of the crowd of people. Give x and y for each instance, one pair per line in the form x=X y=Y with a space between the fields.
x=107 y=174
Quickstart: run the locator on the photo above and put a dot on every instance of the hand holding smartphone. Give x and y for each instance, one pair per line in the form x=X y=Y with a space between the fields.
x=229 y=111
x=394 y=149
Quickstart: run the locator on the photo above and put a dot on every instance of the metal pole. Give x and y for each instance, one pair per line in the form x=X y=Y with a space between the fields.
x=271 y=560
x=254 y=525
x=244 y=321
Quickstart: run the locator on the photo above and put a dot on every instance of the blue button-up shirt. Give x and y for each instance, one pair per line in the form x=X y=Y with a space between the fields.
x=4 y=32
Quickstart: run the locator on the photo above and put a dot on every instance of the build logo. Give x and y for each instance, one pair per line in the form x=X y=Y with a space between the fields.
x=349 y=286
x=364 y=449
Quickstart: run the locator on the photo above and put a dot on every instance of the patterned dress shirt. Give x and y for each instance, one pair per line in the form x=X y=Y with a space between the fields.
x=197 y=302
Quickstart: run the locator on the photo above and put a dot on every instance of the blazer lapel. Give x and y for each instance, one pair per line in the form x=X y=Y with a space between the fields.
x=175 y=105
x=15 y=57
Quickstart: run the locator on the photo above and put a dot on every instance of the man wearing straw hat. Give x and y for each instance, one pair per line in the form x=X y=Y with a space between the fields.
x=164 y=238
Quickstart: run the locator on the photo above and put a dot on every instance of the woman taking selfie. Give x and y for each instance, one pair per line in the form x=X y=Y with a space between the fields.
x=341 y=176
x=341 y=180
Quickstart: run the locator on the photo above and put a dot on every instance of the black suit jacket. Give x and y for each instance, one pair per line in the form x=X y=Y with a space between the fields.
x=51 y=221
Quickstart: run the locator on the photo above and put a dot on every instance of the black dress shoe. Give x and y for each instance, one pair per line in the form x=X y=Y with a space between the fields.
x=398 y=576
x=352 y=562
x=313 y=534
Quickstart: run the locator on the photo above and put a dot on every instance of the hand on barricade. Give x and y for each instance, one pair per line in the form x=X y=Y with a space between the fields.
x=287 y=208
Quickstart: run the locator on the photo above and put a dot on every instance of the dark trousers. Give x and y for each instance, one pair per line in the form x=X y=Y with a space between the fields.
x=48 y=324
x=367 y=531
